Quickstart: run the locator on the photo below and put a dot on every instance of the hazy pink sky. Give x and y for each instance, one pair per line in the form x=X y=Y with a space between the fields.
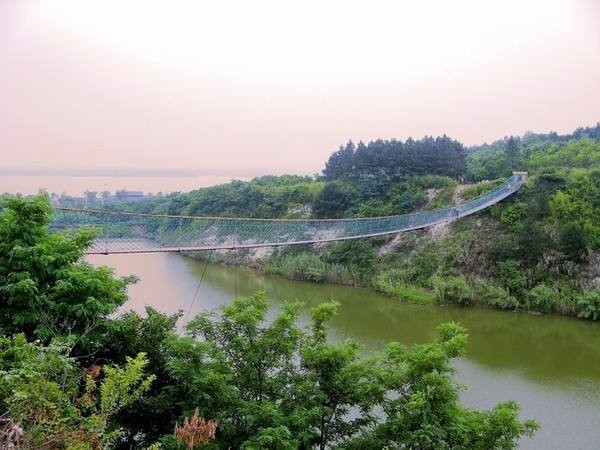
x=279 y=85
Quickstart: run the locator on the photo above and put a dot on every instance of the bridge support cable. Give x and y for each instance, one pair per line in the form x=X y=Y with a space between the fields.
x=185 y=319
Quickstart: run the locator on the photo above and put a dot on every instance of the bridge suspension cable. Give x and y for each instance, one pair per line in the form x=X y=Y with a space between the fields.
x=127 y=232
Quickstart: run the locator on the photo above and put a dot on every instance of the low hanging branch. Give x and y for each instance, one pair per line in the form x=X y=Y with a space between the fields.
x=195 y=431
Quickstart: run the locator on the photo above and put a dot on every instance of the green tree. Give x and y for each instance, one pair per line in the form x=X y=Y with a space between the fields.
x=242 y=371
x=334 y=200
x=46 y=288
x=155 y=414
x=336 y=381
x=422 y=410
x=512 y=151
x=271 y=384
x=90 y=197
x=572 y=242
x=57 y=404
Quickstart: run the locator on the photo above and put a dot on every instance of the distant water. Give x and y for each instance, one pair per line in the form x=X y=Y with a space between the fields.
x=76 y=185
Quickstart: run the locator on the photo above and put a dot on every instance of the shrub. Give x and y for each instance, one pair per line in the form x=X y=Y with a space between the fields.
x=572 y=242
x=512 y=214
x=542 y=298
x=340 y=274
x=359 y=253
x=452 y=290
x=301 y=266
x=588 y=305
x=435 y=182
x=475 y=190
x=512 y=277
x=487 y=293
x=566 y=304
x=424 y=262
x=442 y=199
x=394 y=283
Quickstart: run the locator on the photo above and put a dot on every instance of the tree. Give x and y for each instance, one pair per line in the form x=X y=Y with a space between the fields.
x=334 y=200
x=46 y=288
x=56 y=404
x=572 y=242
x=90 y=197
x=393 y=158
x=511 y=150
x=339 y=164
x=121 y=194
x=155 y=414
x=271 y=384
x=421 y=408
x=336 y=381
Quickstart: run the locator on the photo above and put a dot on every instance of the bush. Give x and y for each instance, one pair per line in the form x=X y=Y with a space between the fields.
x=424 y=262
x=566 y=304
x=340 y=274
x=512 y=277
x=475 y=190
x=572 y=242
x=452 y=290
x=513 y=214
x=588 y=305
x=487 y=293
x=442 y=199
x=435 y=182
x=356 y=252
x=542 y=298
x=394 y=283
x=301 y=266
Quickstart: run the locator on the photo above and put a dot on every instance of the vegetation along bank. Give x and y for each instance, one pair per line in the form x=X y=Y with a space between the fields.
x=536 y=251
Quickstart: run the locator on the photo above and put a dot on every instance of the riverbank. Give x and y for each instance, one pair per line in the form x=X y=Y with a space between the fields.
x=420 y=267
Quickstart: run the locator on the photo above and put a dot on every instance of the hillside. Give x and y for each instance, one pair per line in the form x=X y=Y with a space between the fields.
x=536 y=251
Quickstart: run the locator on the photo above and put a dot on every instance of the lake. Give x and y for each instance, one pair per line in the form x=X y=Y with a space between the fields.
x=77 y=185
x=549 y=364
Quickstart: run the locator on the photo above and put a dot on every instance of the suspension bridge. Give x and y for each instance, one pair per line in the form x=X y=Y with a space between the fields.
x=127 y=232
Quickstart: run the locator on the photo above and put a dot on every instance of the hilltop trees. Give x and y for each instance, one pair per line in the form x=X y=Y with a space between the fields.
x=437 y=156
x=381 y=177
x=511 y=152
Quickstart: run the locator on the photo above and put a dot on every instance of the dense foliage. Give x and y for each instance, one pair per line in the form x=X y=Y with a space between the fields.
x=545 y=239
x=392 y=159
x=126 y=381
x=537 y=251
x=47 y=289
x=267 y=196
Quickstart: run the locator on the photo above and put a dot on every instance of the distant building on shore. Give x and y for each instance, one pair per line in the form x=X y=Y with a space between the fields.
x=129 y=195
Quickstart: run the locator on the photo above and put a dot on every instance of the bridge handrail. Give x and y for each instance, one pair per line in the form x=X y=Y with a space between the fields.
x=129 y=232
x=492 y=193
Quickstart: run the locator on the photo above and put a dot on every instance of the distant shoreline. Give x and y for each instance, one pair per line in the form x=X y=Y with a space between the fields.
x=137 y=173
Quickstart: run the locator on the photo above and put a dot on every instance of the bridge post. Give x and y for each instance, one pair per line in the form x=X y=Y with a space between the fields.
x=523 y=175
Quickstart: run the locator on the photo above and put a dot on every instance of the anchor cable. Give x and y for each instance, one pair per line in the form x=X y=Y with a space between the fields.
x=197 y=288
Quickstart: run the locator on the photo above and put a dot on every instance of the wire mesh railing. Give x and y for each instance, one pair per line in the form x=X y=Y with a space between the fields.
x=123 y=232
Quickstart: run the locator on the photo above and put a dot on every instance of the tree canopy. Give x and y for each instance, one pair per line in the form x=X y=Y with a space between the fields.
x=393 y=158
x=259 y=382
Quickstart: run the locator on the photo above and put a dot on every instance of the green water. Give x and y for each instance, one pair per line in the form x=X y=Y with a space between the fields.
x=550 y=365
